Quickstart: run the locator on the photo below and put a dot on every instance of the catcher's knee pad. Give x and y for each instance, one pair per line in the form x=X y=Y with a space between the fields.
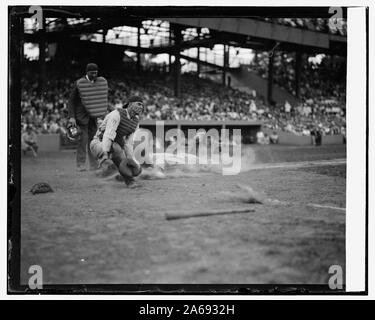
x=128 y=168
x=96 y=148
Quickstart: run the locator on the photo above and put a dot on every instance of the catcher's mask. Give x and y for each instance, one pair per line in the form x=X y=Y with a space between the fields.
x=73 y=133
x=135 y=107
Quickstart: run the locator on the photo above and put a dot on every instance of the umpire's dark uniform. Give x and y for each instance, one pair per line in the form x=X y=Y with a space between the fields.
x=88 y=126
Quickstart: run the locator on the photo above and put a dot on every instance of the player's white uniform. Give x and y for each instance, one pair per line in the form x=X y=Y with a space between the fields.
x=103 y=140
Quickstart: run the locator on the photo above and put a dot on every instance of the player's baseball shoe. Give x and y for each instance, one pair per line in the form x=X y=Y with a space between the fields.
x=132 y=184
x=107 y=169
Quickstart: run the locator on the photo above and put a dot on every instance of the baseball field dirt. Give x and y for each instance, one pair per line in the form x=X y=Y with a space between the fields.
x=95 y=230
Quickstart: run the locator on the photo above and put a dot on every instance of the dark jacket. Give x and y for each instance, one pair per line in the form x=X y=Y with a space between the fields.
x=76 y=109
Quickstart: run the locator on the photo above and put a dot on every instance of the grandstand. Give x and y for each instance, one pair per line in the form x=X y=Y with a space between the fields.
x=190 y=69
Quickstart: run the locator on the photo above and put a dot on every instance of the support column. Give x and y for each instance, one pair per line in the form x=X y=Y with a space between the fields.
x=177 y=62
x=198 y=54
x=255 y=60
x=42 y=58
x=298 y=68
x=270 y=77
x=225 y=63
x=138 y=49
x=198 y=62
x=170 y=54
x=104 y=35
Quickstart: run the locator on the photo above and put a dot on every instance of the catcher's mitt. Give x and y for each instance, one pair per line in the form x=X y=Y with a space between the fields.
x=129 y=168
x=73 y=132
x=41 y=187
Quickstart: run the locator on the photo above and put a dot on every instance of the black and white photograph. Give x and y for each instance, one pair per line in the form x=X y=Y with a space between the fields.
x=181 y=149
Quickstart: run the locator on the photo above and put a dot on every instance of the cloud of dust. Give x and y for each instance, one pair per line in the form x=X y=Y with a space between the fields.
x=247 y=194
x=189 y=165
x=201 y=152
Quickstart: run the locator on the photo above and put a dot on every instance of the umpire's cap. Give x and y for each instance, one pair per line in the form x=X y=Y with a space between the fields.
x=91 y=67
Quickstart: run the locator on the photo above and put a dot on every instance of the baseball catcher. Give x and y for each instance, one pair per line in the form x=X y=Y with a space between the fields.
x=113 y=142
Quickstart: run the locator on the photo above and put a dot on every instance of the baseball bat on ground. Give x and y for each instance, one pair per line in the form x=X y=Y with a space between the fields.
x=192 y=214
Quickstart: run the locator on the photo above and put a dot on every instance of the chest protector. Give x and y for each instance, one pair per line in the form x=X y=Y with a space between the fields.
x=126 y=127
x=94 y=96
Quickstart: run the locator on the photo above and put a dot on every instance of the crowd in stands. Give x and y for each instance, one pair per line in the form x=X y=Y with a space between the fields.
x=46 y=113
x=325 y=79
x=306 y=117
x=322 y=105
x=322 y=94
x=201 y=99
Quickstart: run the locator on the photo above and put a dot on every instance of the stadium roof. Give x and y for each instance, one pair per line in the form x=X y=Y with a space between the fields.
x=241 y=27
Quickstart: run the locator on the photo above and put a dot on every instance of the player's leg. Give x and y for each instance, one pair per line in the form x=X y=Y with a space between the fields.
x=118 y=157
x=33 y=151
x=36 y=148
x=117 y=154
x=96 y=148
x=25 y=148
x=92 y=127
x=127 y=168
x=106 y=166
x=81 y=148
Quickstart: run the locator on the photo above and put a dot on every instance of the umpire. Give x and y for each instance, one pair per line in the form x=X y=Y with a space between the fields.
x=88 y=101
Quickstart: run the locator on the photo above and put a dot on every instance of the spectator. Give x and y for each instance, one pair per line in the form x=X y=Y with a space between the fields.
x=266 y=139
x=274 y=138
x=318 y=137
x=262 y=138
x=253 y=107
x=287 y=108
x=201 y=99
x=29 y=141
